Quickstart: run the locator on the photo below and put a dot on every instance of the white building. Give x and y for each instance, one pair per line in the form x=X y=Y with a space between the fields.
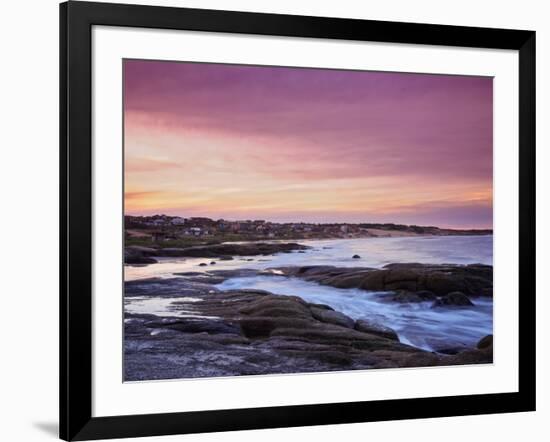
x=195 y=230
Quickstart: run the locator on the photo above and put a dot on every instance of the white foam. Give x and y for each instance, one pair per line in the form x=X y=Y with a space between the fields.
x=416 y=323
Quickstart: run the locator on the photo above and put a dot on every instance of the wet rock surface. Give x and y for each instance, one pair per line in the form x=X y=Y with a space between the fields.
x=408 y=297
x=375 y=328
x=139 y=255
x=457 y=299
x=485 y=342
x=209 y=332
x=423 y=280
x=223 y=251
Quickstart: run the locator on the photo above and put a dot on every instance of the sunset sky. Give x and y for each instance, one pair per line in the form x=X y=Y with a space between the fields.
x=315 y=145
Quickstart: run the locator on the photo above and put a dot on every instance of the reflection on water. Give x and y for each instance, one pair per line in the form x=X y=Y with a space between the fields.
x=374 y=252
x=177 y=307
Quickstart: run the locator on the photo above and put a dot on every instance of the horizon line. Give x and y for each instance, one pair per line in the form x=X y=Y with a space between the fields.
x=311 y=222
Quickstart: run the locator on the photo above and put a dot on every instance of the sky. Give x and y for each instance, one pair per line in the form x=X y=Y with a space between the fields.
x=312 y=145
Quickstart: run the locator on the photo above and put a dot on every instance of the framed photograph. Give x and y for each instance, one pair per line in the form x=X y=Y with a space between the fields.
x=272 y=220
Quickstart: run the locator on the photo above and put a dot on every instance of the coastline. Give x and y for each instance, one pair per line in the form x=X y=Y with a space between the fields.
x=162 y=231
x=265 y=333
x=137 y=254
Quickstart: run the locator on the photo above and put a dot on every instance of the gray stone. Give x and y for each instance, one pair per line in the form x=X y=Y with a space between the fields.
x=453 y=299
x=374 y=328
x=332 y=317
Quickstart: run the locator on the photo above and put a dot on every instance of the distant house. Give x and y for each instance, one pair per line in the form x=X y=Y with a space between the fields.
x=197 y=231
x=178 y=221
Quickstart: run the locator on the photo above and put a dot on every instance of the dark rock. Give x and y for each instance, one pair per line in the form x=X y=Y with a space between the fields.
x=485 y=342
x=451 y=350
x=446 y=346
x=426 y=295
x=321 y=306
x=421 y=360
x=235 y=273
x=467 y=357
x=139 y=255
x=334 y=336
x=373 y=280
x=205 y=278
x=269 y=306
x=203 y=264
x=132 y=259
x=332 y=317
x=356 y=257
x=338 y=358
x=145 y=251
x=263 y=327
x=231 y=249
x=442 y=283
x=440 y=279
x=346 y=281
x=487 y=291
x=255 y=292
x=173 y=252
x=196 y=326
x=420 y=296
x=373 y=328
x=453 y=299
x=212 y=263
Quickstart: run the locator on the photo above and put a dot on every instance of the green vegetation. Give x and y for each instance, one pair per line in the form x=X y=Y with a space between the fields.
x=194 y=241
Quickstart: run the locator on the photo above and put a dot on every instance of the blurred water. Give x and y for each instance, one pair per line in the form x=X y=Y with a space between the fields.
x=416 y=324
x=374 y=252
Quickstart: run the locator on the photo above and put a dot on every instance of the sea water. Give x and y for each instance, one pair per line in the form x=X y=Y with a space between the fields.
x=417 y=324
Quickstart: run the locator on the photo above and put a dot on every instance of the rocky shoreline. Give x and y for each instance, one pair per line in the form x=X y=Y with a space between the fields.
x=223 y=251
x=210 y=332
x=445 y=284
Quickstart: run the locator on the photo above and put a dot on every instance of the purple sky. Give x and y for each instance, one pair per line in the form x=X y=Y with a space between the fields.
x=308 y=144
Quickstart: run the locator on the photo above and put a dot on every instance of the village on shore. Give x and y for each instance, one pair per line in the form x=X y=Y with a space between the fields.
x=160 y=229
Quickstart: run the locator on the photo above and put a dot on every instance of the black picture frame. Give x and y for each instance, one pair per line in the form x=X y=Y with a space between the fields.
x=76 y=21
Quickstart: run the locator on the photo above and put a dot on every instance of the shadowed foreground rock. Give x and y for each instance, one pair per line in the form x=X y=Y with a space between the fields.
x=246 y=332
